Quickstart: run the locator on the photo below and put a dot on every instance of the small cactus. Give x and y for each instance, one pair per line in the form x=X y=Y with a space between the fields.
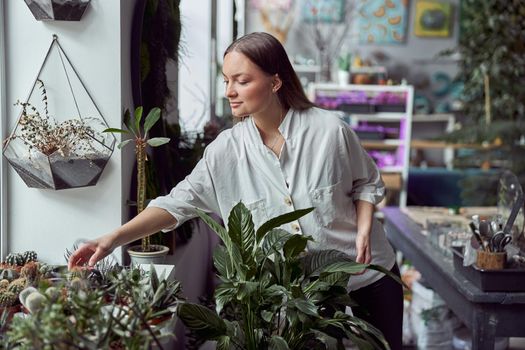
x=17 y=286
x=8 y=274
x=29 y=256
x=12 y=259
x=34 y=301
x=4 y=284
x=31 y=272
x=7 y=299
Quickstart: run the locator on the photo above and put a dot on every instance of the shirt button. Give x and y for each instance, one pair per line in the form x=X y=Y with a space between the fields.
x=296 y=228
x=288 y=201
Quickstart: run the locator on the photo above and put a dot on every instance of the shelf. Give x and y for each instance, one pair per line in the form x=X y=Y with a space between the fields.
x=355 y=87
x=379 y=117
x=442 y=144
x=391 y=169
x=368 y=70
x=381 y=144
x=431 y=118
x=305 y=68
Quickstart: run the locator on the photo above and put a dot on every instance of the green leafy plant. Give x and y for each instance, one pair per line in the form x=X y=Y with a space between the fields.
x=139 y=130
x=274 y=295
x=77 y=316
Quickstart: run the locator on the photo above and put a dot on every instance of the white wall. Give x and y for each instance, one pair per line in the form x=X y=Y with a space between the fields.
x=51 y=221
x=194 y=71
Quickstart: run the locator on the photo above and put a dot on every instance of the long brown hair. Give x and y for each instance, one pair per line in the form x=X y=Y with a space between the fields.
x=267 y=52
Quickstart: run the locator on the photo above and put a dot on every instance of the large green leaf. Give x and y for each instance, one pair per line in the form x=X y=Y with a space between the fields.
x=295 y=245
x=206 y=323
x=120 y=131
x=246 y=289
x=222 y=262
x=280 y=220
x=277 y=343
x=224 y=343
x=305 y=306
x=130 y=124
x=152 y=118
x=275 y=240
x=316 y=260
x=221 y=231
x=224 y=294
x=123 y=143
x=242 y=232
x=158 y=141
x=350 y=267
x=388 y=273
x=138 y=117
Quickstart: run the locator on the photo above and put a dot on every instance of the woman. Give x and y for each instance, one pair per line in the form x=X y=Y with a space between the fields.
x=284 y=154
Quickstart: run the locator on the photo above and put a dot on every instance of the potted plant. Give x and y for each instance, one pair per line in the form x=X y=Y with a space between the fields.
x=129 y=312
x=139 y=129
x=343 y=73
x=274 y=295
x=56 y=155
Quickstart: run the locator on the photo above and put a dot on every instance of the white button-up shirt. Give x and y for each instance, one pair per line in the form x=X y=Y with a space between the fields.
x=321 y=165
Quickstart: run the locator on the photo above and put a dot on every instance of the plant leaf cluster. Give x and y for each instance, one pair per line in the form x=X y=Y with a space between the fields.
x=119 y=316
x=139 y=129
x=274 y=294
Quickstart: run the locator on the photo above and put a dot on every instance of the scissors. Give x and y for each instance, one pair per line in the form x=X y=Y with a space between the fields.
x=499 y=240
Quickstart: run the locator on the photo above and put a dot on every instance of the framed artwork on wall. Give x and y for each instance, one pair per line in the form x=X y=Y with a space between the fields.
x=382 y=21
x=433 y=19
x=327 y=11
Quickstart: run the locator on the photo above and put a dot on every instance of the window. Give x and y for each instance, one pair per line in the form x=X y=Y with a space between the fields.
x=3 y=135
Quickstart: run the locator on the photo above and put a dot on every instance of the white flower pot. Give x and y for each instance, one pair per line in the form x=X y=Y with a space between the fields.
x=155 y=257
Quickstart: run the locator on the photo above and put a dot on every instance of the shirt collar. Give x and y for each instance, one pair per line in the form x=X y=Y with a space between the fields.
x=285 y=128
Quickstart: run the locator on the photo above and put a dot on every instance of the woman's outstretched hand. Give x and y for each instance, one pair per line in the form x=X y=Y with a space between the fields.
x=91 y=252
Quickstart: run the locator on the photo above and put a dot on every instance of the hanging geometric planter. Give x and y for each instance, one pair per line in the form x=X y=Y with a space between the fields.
x=57 y=142
x=57 y=10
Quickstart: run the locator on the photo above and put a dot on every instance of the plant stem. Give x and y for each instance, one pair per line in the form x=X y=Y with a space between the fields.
x=140 y=152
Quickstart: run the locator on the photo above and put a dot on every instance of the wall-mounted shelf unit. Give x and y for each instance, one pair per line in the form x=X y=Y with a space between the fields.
x=381 y=115
x=425 y=128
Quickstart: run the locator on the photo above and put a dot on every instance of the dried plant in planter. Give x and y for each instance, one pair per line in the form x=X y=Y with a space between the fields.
x=51 y=154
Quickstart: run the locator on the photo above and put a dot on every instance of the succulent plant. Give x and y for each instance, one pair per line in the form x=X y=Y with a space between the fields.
x=12 y=259
x=18 y=285
x=8 y=274
x=29 y=256
x=31 y=272
x=34 y=301
x=7 y=299
x=4 y=284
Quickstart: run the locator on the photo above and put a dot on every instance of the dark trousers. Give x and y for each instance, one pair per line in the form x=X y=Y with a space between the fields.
x=381 y=304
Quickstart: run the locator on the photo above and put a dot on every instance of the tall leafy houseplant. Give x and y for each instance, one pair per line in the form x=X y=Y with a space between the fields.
x=492 y=67
x=139 y=131
x=274 y=295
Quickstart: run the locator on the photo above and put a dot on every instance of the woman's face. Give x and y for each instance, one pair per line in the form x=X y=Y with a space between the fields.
x=247 y=87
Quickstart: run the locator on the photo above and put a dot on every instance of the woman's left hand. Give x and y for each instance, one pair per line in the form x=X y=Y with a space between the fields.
x=362 y=246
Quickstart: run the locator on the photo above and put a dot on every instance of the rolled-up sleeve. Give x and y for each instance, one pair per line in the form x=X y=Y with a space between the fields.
x=195 y=191
x=367 y=184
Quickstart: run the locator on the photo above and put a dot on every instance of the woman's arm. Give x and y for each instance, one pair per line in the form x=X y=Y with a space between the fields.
x=149 y=221
x=365 y=212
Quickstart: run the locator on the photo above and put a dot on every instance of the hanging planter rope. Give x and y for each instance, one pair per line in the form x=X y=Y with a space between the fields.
x=57 y=142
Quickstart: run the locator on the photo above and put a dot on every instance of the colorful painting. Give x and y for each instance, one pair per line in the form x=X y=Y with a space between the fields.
x=433 y=19
x=383 y=21
x=327 y=11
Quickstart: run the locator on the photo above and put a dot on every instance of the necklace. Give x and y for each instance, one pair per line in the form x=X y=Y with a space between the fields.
x=277 y=137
